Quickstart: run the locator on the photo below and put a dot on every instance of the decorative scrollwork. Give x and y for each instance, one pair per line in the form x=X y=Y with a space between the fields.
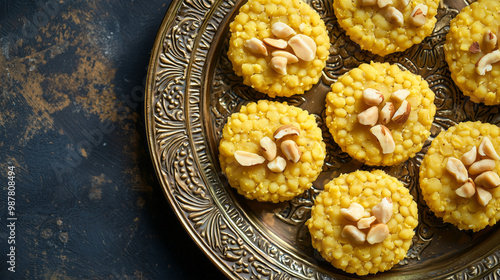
x=195 y=90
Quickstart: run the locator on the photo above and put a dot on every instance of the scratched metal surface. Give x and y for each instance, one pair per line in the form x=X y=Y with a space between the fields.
x=191 y=91
x=88 y=205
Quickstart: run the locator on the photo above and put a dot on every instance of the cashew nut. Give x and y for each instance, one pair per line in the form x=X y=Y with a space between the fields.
x=486 y=148
x=354 y=234
x=467 y=190
x=277 y=165
x=372 y=97
x=282 y=30
x=483 y=196
x=393 y=15
x=384 y=137
x=457 y=169
x=489 y=40
x=377 y=233
x=248 y=159
x=354 y=212
x=291 y=150
x=285 y=130
x=403 y=112
x=387 y=113
x=368 y=116
x=469 y=157
x=303 y=46
x=383 y=210
x=481 y=166
x=268 y=148
x=484 y=64
x=488 y=179
x=256 y=46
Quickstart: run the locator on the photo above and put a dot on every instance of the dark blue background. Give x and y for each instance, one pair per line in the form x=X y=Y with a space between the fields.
x=88 y=202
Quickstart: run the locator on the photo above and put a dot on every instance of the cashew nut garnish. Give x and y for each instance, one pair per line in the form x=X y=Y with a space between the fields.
x=393 y=15
x=467 y=190
x=489 y=40
x=276 y=43
x=365 y=223
x=383 y=3
x=484 y=64
x=303 y=46
x=354 y=212
x=418 y=16
x=383 y=210
x=469 y=157
x=268 y=147
x=400 y=94
x=384 y=137
x=386 y=113
x=290 y=58
x=354 y=234
x=256 y=46
x=248 y=159
x=285 y=130
x=488 y=179
x=291 y=150
x=372 y=97
x=368 y=116
x=483 y=196
x=457 y=169
x=377 y=233
x=403 y=112
x=481 y=166
x=486 y=148
x=282 y=30
x=278 y=64
x=277 y=165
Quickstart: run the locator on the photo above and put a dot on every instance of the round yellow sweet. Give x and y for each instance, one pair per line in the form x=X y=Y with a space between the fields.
x=467 y=28
x=438 y=185
x=244 y=130
x=345 y=102
x=368 y=189
x=254 y=20
x=367 y=25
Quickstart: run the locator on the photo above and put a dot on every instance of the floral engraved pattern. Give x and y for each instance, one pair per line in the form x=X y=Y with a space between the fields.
x=193 y=90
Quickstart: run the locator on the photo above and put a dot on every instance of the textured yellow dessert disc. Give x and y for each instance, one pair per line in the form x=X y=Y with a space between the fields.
x=468 y=28
x=345 y=102
x=368 y=26
x=368 y=189
x=255 y=20
x=244 y=131
x=438 y=185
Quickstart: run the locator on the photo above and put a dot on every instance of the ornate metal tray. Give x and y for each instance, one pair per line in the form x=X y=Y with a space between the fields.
x=192 y=90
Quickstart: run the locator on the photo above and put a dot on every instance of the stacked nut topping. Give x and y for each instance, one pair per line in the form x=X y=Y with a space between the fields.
x=269 y=150
x=418 y=16
x=388 y=113
x=288 y=47
x=371 y=227
x=490 y=48
x=479 y=178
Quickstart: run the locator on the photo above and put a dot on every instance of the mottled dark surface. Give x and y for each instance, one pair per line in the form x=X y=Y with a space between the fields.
x=88 y=204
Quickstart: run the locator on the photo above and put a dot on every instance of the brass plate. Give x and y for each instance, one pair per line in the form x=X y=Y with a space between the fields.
x=191 y=90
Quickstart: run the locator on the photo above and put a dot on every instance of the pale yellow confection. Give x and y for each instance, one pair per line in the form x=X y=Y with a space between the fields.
x=367 y=189
x=244 y=132
x=254 y=21
x=345 y=102
x=371 y=27
x=467 y=28
x=439 y=186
